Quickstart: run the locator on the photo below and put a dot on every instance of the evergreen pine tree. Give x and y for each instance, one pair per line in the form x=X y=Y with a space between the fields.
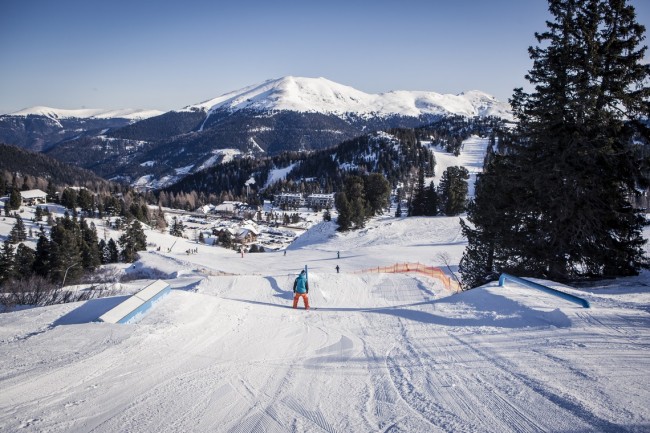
x=15 y=200
x=453 y=190
x=574 y=162
x=18 y=233
x=377 y=192
x=52 y=196
x=24 y=261
x=344 y=210
x=65 y=252
x=7 y=262
x=42 y=258
x=132 y=241
x=177 y=229
x=102 y=246
x=355 y=193
x=418 y=202
x=431 y=200
x=90 y=254
x=113 y=251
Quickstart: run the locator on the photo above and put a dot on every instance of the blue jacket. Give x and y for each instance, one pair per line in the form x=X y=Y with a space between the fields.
x=301 y=285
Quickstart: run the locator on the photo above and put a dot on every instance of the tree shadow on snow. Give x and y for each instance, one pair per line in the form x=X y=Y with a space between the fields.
x=482 y=308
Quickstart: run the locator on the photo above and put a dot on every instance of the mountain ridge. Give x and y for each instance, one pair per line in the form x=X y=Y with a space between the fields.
x=87 y=113
x=284 y=114
x=320 y=95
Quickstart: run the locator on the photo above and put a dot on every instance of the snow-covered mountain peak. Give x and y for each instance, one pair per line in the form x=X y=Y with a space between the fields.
x=320 y=95
x=87 y=113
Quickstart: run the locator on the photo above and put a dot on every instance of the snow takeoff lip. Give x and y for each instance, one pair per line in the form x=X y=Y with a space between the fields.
x=137 y=305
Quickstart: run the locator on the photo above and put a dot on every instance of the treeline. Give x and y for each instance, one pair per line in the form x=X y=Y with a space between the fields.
x=70 y=251
x=450 y=132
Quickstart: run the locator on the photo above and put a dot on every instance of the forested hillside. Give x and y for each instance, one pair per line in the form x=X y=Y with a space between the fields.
x=397 y=154
x=36 y=166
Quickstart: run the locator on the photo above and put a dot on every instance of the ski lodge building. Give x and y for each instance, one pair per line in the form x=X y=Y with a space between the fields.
x=32 y=197
x=295 y=200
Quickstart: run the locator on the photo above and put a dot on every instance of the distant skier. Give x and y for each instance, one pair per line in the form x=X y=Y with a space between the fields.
x=338 y=254
x=301 y=289
x=337 y=269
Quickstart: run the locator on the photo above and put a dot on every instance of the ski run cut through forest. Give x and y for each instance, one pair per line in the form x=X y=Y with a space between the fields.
x=377 y=352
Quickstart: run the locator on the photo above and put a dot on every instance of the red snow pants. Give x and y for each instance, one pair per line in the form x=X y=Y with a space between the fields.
x=305 y=300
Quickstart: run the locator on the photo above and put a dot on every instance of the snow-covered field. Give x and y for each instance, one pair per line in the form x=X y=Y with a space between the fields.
x=378 y=352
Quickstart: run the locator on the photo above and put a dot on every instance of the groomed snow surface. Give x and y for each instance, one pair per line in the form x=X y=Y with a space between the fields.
x=224 y=352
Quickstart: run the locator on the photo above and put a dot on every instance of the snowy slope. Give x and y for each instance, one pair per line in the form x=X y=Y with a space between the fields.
x=319 y=95
x=87 y=113
x=471 y=157
x=381 y=352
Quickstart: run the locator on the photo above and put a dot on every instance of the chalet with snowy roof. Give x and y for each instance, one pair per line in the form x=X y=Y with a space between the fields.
x=33 y=196
x=247 y=234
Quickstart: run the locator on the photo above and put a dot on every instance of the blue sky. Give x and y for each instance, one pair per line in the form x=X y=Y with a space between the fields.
x=169 y=54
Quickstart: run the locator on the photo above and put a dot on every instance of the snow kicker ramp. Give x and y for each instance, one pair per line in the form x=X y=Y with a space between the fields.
x=136 y=305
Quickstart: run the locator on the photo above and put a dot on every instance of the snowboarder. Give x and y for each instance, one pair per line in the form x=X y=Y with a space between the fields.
x=301 y=289
x=337 y=269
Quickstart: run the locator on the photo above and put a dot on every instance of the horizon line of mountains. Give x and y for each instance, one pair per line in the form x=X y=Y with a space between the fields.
x=154 y=149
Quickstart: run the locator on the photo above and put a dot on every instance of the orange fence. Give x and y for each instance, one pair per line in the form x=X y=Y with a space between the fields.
x=429 y=271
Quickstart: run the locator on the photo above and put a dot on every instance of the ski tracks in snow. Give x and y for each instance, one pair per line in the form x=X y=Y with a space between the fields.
x=444 y=380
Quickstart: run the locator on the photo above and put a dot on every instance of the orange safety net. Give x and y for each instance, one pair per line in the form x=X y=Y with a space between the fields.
x=429 y=271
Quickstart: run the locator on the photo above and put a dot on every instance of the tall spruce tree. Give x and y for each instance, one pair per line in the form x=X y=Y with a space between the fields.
x=344 y=209
x=418 y=203
x=112 y=251
x=132 y=241
x=42 y=259
x=65 y=252
x=563 y=188
x=7 y=262
x=431 y=208
x=24 y=261
x=377 y=191
x=453 y=190
x=18 y=232
x=15 y=200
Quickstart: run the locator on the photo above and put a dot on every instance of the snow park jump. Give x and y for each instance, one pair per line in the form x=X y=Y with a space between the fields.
x=137 y=305
x=532 y=285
